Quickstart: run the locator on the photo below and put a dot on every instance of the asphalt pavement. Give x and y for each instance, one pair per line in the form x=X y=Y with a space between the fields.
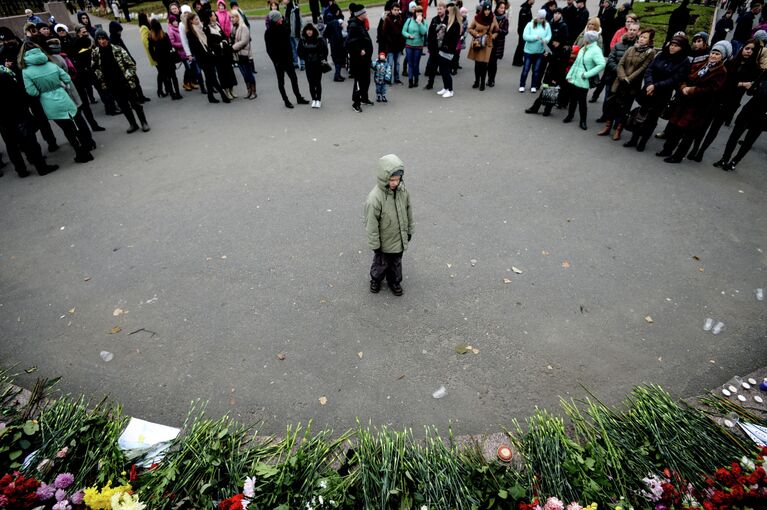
x=232 y=233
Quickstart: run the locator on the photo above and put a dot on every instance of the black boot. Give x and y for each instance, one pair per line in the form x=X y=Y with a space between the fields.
x=375 y=286
x=632 y=141
x=131 y=120
x=142 y=118
x=482 y=82
x=45 y=169
x=642 y=143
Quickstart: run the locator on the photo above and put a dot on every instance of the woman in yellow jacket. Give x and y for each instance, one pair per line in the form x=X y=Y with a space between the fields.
x=143 y=27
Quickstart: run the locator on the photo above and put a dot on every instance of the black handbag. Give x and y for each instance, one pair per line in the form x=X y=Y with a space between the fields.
x=594 y=82
x=549 y=95
x=325 y=66
x=636 y=119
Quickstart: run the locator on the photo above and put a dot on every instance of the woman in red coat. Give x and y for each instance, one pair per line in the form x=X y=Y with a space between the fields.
x=694 y=99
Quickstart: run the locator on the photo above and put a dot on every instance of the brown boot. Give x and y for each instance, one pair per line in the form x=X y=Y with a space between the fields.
x=187 y=86
x=618 y=131
x=606 y=130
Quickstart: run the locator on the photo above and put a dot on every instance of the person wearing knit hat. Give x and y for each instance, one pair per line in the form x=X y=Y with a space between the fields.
x=115 y=71
x=723 y=47
x=536 y=35
x=589 y=62
x=360 y=48
x=669 y=67
x=278 y=47
x=699 y=48
x=696 y=95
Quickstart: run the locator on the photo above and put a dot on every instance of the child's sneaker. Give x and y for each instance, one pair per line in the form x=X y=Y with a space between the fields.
x=384 y=100
x=378 y=98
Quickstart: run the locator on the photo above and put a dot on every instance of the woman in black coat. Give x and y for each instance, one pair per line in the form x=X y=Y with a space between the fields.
x=166 y=57
x=741 y=73
x=525 y=17
x=666 y=71
x=313 y=50
x=200 y=47
x=223 y=56
x=334 y=19
x=752 y=120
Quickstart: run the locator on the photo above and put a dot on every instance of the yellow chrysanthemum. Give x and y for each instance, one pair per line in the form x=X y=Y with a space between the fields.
x=101 y=499
x=125 y=501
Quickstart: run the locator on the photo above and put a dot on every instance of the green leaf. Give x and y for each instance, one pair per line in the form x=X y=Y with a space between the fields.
x=503 y=494
x=282 y=507
x=265 y=470
x=31 y=427
x=223 y=433
x=204 y=488
x=589 y=463
x=24 y=444
x=15 y=454
x=518 y=492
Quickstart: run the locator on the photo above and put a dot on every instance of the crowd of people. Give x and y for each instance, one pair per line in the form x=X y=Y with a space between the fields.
x=698 y=82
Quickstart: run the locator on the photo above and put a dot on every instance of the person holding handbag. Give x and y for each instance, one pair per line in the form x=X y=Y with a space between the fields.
x=162 y=51
x=313 y=50
x=483 y=29
x=583 y=74
x=241 y=49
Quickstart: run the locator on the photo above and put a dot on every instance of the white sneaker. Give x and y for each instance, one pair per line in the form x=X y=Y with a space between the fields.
x=449 y=93
x=319 y=104
x=521 y=89
x=533 y=90
x=314 y=103
x=441 y=92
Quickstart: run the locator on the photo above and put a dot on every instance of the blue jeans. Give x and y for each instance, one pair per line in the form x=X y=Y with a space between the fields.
x=380 y=89
x=294 y=46
x=393 y=60
x=534 y=61
x=413 y=57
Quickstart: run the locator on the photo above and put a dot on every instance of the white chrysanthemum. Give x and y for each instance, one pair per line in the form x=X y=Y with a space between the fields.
x=250 y=487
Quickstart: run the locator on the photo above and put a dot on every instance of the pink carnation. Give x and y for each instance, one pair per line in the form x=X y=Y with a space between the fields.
x=62 y=453
x=62 y=505
x=554 y=504
x=574 y=506
x=61 y=495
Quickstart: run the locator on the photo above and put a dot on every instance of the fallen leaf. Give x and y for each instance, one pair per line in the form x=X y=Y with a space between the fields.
x=115 y=330
x=545 y=253
x=695 y=257
x=72 y=311
x=648 y=319
x=118 y=312
x=701 y=269
x=463 y=349
x=280 y=356
x=30 y=369
x=323 y=400
x=232 y=401
x=87 y=279
x=516 y=270
x=473 y=262
x=475 y=350
x=660 y=358
x=506 y=280
x=566 y=264
x=359 y=355
x=549 y=367
x=401 y=377
x=712 y=361
x=449 y=266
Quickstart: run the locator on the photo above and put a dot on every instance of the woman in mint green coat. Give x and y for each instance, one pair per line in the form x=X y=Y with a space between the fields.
x=46 y=80
x=588 y=64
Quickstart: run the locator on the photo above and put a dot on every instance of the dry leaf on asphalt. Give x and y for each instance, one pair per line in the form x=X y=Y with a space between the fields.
x=475 y=350
x=115 y=330
x=473 y=262
x=506 y=280
x=648 y=319
x=118 y=312
x=545 y=253
x=516 y=269
x=359 y=355
x=87 y=278
x=280 y=356
x=401 y=377
x=463 y=349
x=323 y=400
x=695 y=257
x=566 y=264
x=72 y=311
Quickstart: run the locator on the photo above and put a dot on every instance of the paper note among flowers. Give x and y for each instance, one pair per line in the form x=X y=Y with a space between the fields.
x=146 y=441
x=756 y=432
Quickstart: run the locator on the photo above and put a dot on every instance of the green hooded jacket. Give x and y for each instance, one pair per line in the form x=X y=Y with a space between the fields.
x=388 y=216
x=47 y=80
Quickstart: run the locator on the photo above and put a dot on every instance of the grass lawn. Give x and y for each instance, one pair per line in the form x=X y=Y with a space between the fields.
x=655 y=15
x=250 y=7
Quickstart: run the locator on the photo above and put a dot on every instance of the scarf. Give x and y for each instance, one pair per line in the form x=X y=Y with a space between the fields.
x=200 y=35
x=483 y=20
x=706 y=68
x=500 y=17
x=641 y=48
